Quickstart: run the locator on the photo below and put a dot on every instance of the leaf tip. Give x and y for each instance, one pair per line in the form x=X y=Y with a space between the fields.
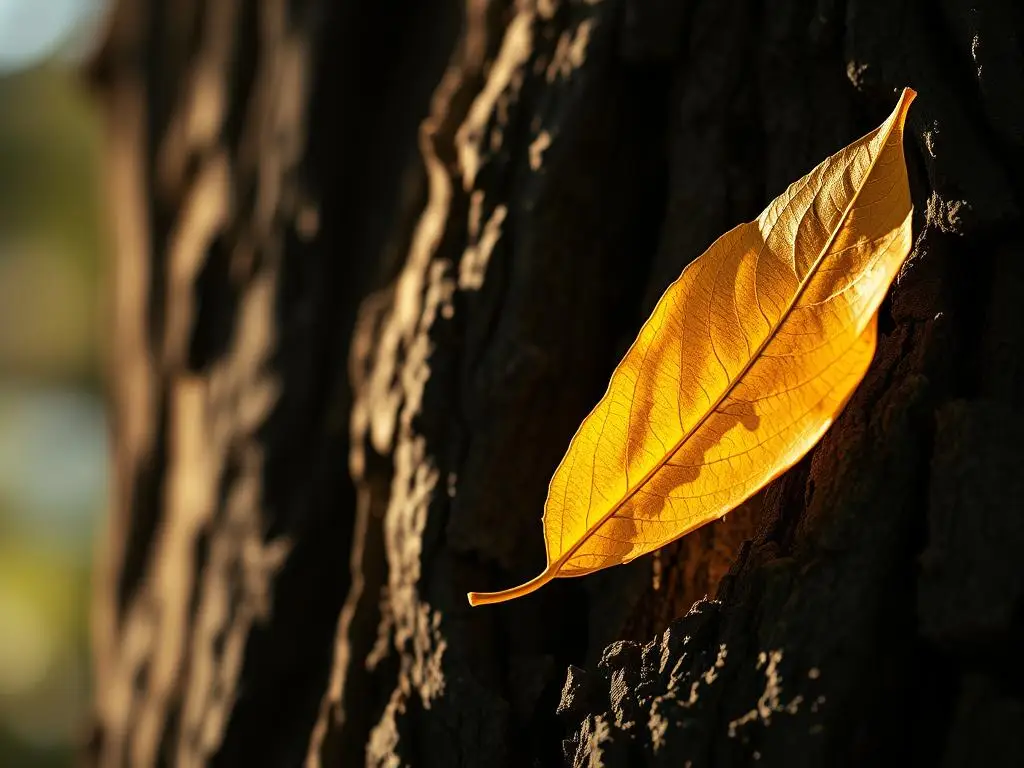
x=906 y=99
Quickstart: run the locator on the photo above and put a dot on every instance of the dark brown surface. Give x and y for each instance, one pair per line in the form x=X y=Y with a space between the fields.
x=345 y=373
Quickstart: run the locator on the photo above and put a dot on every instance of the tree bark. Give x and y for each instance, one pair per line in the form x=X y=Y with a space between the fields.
x=375 y=263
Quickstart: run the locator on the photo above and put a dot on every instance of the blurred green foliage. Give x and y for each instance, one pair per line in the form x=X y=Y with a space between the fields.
x=53 y=451
x=50 y=195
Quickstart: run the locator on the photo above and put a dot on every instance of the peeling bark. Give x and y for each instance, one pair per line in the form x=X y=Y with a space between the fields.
x=349 y=356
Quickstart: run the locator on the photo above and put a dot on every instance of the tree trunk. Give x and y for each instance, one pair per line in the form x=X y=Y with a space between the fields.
x=348 y=357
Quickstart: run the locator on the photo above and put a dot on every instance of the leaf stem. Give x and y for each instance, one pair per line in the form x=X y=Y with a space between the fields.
x=487 y=598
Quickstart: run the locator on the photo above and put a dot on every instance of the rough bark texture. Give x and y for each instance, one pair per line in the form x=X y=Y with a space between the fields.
x=349 y=356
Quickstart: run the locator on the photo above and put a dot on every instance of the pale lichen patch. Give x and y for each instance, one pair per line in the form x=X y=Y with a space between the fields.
x=770 y=701
x=945 y=215
x=929 y=137
x=855 y=73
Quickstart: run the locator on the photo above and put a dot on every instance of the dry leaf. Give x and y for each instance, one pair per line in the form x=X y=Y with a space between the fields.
x=747 y=359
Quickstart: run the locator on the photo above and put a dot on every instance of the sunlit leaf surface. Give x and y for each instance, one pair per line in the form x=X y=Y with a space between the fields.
x=744 y=364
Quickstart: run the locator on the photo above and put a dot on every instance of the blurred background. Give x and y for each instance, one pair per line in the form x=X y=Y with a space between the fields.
x=53 y=432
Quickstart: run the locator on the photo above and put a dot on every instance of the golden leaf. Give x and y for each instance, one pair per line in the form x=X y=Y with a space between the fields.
x=747 y=359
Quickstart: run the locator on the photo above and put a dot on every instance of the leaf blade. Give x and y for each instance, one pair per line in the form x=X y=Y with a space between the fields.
x=743 y=365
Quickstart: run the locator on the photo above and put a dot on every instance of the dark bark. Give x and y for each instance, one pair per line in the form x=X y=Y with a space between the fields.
x=345 y=371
